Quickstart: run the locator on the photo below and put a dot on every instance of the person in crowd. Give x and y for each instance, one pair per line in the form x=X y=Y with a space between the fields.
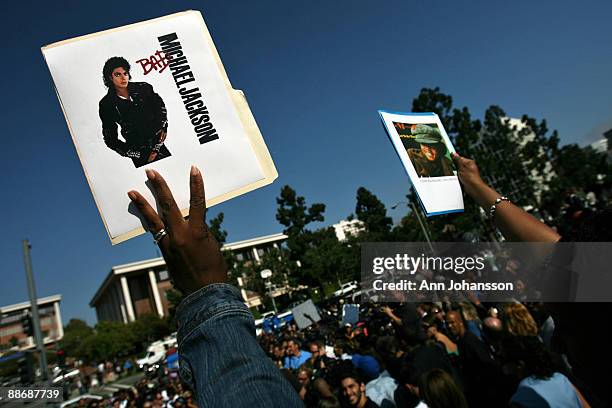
x=540 y=385
x=382 y=389
x=438 y=390
x=353 y=391
x=481 y=372
x=367 y=366
x=471 y=319
x=341 y=350
x=518 y=321
x=312 y=388
x=422 y=356
x=430 y=324
x=278 y=355
x=295 y=357
x=216 y=335
x=402 y=314
x=318 y=357
x=517 y=225
x=438 y=313
x=304 y=376
x=492 y=333
x=544 y=320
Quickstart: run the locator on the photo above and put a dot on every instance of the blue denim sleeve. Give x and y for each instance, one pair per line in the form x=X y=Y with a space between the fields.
x=220 y=357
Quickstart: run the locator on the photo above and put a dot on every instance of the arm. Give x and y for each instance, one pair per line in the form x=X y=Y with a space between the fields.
x=513 y=221
x=219 y=352
x=220 y=356
x=109 y=131
x=161 y=115
x=389 y=312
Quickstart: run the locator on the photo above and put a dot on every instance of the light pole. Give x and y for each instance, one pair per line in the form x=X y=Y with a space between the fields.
x=38 y=339
x=418 y=216
x=265 y=275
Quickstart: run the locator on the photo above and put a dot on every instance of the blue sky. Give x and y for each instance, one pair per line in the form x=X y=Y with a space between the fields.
x=315 y=74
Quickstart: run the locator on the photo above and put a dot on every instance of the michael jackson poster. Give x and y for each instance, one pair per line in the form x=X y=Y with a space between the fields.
x=425 y=150
x=155 y=95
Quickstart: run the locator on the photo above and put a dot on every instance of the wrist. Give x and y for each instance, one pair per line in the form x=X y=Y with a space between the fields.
x=484 y=195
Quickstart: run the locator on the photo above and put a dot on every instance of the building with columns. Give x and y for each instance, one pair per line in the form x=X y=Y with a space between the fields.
x=133 y=290
x=12 y=334
x=139 y=288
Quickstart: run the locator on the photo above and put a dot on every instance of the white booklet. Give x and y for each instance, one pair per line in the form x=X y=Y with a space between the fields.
x=425 y=151
x=155 y=95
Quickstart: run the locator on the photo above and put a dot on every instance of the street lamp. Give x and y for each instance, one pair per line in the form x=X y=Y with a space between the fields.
x=418 y=216
x=265 y=275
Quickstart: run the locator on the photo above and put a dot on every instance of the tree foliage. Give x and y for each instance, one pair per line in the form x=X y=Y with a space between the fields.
x=372 y=212
x=522 y=161
x=295 y=216
x=109 y=340
x=216 y=229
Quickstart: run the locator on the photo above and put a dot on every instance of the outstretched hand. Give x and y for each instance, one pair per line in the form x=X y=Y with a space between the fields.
x=468 y=174
x=191 y=252
x=513 y=221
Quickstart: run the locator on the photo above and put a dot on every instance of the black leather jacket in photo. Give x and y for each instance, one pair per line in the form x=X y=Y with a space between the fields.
x=141 y=118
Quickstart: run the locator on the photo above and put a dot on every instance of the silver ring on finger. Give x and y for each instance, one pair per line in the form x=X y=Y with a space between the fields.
x=159 y=235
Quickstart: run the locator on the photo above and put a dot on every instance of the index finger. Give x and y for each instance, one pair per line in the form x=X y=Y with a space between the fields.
x=169 y=210
x=197 y=202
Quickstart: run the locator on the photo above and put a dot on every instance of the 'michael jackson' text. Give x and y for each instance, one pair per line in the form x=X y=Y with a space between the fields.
x=191 y=95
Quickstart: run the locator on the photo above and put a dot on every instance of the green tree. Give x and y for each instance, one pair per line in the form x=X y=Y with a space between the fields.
x=216 y=228
x=149 y=328
x=277 y=260
x=523 y=162
x=75 y=333
x=295 y=216
x=111 y=340
x=579 y=171
x=372 y=212
x=331 y=261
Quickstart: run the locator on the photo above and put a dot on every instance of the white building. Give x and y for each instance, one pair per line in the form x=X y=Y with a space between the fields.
x=345 y=228
x=139 y=288
x=11 y=328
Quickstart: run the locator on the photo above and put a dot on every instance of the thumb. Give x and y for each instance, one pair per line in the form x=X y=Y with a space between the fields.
x=460 y=161
x=456 y=158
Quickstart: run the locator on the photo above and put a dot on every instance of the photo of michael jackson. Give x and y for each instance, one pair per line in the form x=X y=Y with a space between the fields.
x=138 y=110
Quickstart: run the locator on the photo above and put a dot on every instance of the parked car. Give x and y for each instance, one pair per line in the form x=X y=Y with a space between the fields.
x=150 y=359
x=346 y=288
x=156 y=352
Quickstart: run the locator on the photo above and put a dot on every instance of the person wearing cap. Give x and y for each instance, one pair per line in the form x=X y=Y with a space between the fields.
x=430 y=160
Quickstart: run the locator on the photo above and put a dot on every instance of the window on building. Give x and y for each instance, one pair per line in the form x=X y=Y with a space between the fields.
x=245 y=256
x=11 y=318
x=11 y=330
x=47 y=310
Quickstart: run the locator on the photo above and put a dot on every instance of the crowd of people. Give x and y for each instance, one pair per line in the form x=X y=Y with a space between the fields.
x=401 y=354
x=428 y=354
x=164 y=390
